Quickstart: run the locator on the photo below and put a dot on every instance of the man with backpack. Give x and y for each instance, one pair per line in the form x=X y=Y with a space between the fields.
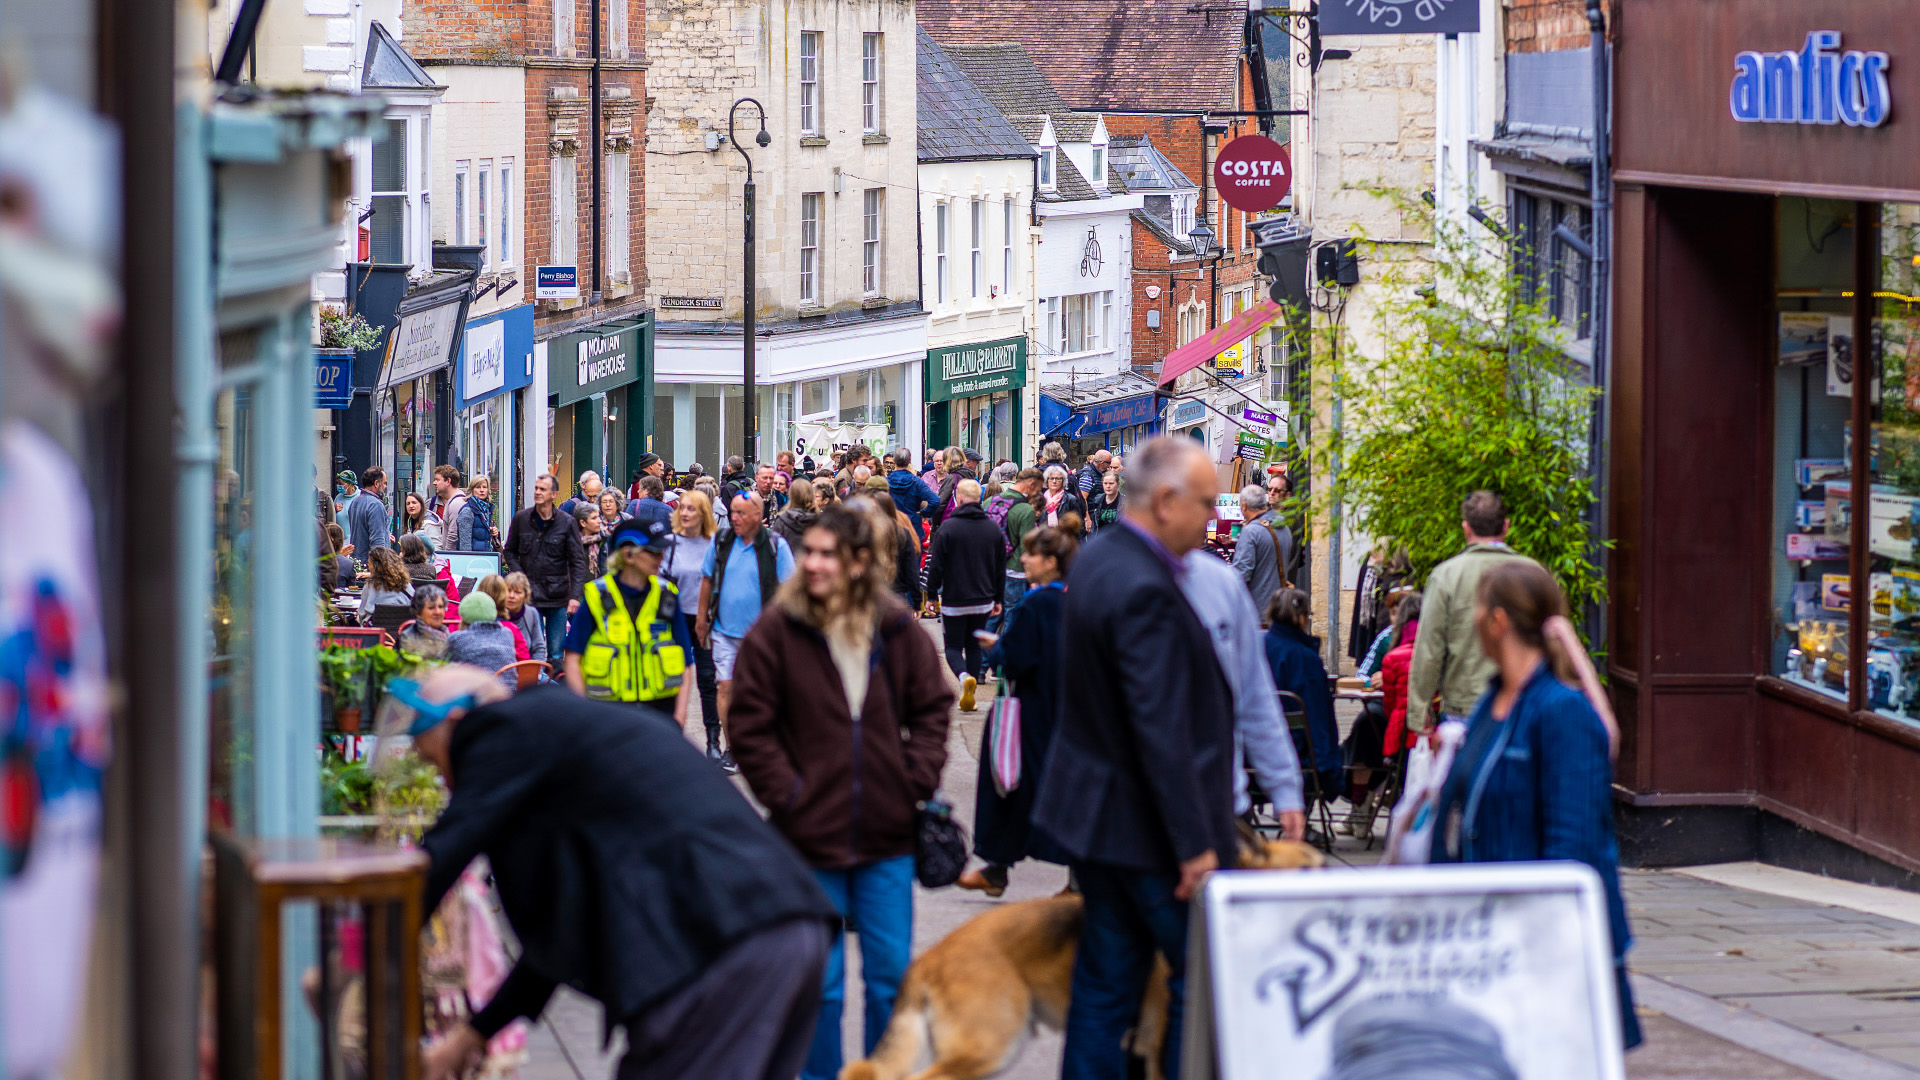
x=737 y=582
x=1264 y=549
x=964 y=571
x=1012 y=510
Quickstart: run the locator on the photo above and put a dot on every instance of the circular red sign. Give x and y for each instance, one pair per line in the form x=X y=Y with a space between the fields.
x=1253 y=173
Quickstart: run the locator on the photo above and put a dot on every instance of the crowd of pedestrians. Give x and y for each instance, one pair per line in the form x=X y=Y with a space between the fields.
x=1154 y=681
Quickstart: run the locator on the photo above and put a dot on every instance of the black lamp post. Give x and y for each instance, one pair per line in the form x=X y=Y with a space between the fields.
x=749 y=407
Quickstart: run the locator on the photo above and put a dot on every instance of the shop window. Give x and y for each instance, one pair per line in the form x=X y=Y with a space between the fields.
x=810 y=83
x=887 y=403
x=1813 y=583
x=814 y=400
x=870 y=83
x=1551 y=272
x=1893 y=547
x=853 y=397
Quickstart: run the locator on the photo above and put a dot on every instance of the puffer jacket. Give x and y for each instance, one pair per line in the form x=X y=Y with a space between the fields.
x=1393 y=680
x=843 y=787
x=790 y=525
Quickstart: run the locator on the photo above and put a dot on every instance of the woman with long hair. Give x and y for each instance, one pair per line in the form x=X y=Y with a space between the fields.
x=1029 y=652
x=1103 y=509
x=1056 y=497
x=495 y=587
x=520 y=612
x=414 y=515
x=418 y=558
x=1533 y=778
x=482 y=534
x=693 y=530
x=954 y=469
x=593 y=538
x=387 y=583
x=1293 y=654
x=839 y=723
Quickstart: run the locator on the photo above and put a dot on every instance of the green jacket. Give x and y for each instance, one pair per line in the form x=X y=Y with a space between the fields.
x=1020 y=521
x=1446 y=658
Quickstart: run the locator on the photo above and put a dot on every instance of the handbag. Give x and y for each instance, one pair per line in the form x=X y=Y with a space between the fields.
x=1003 y=738
x=1410 y=830
x=939 y=844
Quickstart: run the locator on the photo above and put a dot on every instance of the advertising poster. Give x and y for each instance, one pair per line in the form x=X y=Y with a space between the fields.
x=1803 y=337
x=1840 y=357
x=1479 y=971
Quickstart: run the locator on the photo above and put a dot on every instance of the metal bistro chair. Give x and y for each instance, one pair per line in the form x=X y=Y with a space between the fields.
x=527 y=673
x=391 y=618
x=1315 y=796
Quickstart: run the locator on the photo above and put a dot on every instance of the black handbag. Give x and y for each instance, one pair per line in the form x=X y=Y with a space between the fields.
x=939 y=845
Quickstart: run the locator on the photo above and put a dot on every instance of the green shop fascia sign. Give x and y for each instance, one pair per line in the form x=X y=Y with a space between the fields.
x=988 y=367
x=595 y=361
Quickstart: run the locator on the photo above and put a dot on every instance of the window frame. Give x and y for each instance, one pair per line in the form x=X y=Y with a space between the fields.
x=1006 y=255
x=563 y=243
x=507 y=210
x=1553 y=270
x=941 y=213
x=809 y=68
x=481 y=169
x=872 y=53
x=812 y=209
x=461 y=170
x=416 y=190
x=976 y=261
x=1048 y=167
x=873 y=212
x=619 y=224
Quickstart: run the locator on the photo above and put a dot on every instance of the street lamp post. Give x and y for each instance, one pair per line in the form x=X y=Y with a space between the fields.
x=748 y=406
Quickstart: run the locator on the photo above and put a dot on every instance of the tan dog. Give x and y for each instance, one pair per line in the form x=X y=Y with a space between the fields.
x=967 y=1004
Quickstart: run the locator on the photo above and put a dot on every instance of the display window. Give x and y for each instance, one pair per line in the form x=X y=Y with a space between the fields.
x=1893 y=533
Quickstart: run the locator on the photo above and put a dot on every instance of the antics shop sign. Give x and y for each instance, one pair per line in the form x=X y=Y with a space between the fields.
x=1818 y=84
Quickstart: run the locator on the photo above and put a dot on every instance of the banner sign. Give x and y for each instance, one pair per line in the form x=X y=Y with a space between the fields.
x=821 y=440
x=1114 y=415
x=486 y=366
x=1399 y=17
x=556 y=283
x=1231 y=363
x=1253 y=173
x=1490 y=971
x=332 y=380
x=988 y=367
x=1255 y=416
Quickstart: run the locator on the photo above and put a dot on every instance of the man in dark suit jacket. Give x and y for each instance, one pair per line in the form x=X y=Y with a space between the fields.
x=1139 y=786
x=631 y=871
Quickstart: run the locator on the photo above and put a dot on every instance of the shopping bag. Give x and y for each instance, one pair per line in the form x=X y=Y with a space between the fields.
x=1003 y=740
x=1410 y=831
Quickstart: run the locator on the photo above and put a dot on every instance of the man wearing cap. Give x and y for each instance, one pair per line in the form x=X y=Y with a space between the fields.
x=627 y=872
x=628 y=641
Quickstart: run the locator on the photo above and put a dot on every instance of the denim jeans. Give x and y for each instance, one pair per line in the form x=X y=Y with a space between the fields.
x=1016 y=590
x=879 y=896
x=556 y=621
x=1130 y=915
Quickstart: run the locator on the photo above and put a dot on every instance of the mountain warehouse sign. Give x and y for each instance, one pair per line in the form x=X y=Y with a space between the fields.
x=988 y=367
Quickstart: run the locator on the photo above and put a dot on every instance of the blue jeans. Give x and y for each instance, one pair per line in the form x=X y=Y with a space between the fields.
x=1016 y=591
x=1130 y=915
x=555 y=619
x=879 y=896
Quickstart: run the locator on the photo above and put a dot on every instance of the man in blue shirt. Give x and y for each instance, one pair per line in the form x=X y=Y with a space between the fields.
x=733 y=591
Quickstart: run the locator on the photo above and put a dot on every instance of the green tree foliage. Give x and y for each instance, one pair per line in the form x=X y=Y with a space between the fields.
x=1467 y=387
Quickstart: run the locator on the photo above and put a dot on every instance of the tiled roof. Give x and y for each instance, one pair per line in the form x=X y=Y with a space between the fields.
x=956 y=122
x=1144 y=166
x=388 y=67
x=1109 y=54
x=1163 y=231
x=1068 y=184
x=1013 y=83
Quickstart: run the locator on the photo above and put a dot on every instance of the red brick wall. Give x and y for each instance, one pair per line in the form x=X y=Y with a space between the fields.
x=1549 y=25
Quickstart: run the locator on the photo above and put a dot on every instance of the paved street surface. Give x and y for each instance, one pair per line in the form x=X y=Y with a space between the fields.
x=1734 y=983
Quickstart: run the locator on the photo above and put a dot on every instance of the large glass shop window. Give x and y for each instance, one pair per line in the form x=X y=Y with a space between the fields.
x=1893 y=653
x=1813 y=490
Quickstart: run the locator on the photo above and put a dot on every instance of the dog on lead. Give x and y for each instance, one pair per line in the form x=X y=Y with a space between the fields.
x=967 y=1005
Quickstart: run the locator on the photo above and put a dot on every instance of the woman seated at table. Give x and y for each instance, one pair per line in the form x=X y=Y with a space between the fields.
x=1294 y=656
x=387 y=584
x=427 y=636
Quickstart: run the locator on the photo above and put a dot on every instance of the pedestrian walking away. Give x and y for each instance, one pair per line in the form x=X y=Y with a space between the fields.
x=738 y=579
x=1013 y=511
x=1448 y=660
x=1030 y=655
x=544 y=544
x=793 y=522
x=1260 y=737
x=693 y=531
x=1264 y=549
x=1534 y=777
x=839 y=724
x=629 y=642
x=965 y=570
x=482 y=639
x=910 y=493
x=1138 y=787
x=626 y=871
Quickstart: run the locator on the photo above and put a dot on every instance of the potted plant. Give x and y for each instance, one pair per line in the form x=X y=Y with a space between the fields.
x=346 y=331
x=345 y=669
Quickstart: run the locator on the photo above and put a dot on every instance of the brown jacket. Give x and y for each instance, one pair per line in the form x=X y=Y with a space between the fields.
x=844 y=792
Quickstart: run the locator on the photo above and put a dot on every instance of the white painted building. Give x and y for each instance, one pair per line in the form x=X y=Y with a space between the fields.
x=842 y=332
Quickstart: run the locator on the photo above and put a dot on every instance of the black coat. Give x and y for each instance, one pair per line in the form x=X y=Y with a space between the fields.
x=553 y=560
x=626 y=862
x=1141 y=771
x=968 y=563
x=1031 y=652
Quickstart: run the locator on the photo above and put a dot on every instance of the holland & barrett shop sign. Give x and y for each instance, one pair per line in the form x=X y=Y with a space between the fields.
x=989 y=367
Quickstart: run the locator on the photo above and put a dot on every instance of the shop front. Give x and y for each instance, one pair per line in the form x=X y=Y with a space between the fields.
x=413 y=399
x=973 y=397
x=600 y=383
x=1188 y=418
x=1110 y=412
x=494 y=368
x=1764 y=626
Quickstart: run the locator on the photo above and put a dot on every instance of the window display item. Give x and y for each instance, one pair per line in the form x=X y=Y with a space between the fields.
x=1809 y=472
x=1810 y=515
x=1803 y=337
x=1811 y=546
x=1836 y=592
x=1840 y=359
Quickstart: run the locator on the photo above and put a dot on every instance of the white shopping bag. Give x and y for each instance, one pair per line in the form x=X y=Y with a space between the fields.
x=1410 y=835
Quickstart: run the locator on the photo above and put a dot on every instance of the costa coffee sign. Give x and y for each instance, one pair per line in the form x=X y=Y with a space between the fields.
x=1253 y=173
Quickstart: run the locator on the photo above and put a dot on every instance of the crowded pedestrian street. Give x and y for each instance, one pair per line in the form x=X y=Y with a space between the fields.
x=927 y=540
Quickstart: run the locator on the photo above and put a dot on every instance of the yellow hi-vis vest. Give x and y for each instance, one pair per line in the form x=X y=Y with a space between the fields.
x=631 y=657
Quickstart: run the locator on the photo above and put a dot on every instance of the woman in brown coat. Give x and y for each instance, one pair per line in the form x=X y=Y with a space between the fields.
x=842 y=781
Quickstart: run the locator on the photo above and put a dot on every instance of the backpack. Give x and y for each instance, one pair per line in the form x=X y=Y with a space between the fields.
x=998 y=508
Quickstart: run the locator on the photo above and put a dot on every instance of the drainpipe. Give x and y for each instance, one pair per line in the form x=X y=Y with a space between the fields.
x=1602 y=295
x=593 y=134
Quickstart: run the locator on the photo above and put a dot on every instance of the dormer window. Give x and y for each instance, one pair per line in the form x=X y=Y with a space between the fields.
x=1099 y=177
x=1046 y=168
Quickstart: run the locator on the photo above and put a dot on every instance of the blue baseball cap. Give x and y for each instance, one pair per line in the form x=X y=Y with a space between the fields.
x=651 y=527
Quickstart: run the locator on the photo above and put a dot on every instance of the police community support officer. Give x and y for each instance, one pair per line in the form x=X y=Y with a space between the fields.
x=629 y=639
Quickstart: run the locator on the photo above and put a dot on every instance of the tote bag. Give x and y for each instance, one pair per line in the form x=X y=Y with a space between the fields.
x=1003 y=740
x=1410 y=832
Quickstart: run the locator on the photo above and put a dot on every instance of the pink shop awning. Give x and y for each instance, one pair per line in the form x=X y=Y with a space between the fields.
x=1203 y=349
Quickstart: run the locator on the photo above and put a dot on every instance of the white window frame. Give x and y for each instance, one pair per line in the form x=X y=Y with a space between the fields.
x=1092 y=312
x=619 y=239
x=873 y=212
x=416 y=225
x=507 y=222
x=564 y=27
x=460 y=227
x=1006 y=258
x=481 y=170
x=871 y=54
x=617 y=29
x=826 y=414
x=1047 y=168
x=1054 y=335
x=941 y=291
x=810 y=41
x=977 y=226
x=564 y=244
x=1099 y=177
x=812 y=206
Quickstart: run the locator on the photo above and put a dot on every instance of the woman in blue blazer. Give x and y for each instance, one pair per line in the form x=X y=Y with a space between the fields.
x=1294 y=656
x=1532 y=780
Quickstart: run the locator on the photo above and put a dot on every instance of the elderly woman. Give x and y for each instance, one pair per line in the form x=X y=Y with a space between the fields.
x=427 y=637
x=613 y=508
x=1056 y=498
x=483 y=640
